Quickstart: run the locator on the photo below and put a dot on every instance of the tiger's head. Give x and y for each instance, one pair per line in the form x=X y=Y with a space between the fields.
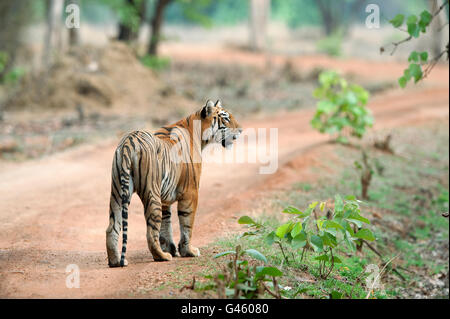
x=218 y=125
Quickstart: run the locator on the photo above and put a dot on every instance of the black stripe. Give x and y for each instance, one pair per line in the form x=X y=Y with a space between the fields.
x=184 y=214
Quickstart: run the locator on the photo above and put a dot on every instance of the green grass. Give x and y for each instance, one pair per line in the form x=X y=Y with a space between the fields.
x=155 y=63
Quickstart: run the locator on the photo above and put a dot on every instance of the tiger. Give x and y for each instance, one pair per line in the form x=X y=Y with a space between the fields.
x=164 y=167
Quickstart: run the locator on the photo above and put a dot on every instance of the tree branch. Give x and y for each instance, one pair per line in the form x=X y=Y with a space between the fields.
x=396 y=44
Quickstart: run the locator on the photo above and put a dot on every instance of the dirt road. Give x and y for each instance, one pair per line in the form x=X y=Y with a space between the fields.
x=54 y=211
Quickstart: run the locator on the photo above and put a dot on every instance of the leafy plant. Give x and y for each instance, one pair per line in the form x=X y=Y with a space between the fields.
x=9 y=76
x=341 y=105
x=326 y=234
x=419 y=63
x=127 y=12
x=331 y=45
x=239 y=279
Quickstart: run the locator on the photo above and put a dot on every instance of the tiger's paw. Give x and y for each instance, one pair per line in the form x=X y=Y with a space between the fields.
x=170 y=248
x=163 y=257
x=190 y=251
x=117 y=264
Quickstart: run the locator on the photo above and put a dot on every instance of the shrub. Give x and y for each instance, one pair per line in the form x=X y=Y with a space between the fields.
x=343 y=226
x=341 y=105
x=155 y=62
x=331 y=45
x=238 y=279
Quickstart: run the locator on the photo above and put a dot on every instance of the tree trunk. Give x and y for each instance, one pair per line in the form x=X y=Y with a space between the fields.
x=338 y=15
x=259 y=17
x=156 y=24
x=438 y=33
x=125 y=32
x=53 y=41
x=328 y=18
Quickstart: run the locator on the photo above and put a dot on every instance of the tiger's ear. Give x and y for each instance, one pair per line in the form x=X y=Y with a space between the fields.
x=218 y=103
x=207 y=110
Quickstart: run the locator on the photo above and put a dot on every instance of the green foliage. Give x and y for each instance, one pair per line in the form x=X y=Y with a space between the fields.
x=344 y=226
x=128 y=14
x=201 y=12
x=12 y=76
x=155 y=62
x=4 y=58
x=195 y=11
x=240 y=279
x=415 y=25
x=342 y=105
x=295 y=13
x=442 y=200
x=331 y=45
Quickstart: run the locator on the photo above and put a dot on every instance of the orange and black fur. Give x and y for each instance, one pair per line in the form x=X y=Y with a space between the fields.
x=162 y=168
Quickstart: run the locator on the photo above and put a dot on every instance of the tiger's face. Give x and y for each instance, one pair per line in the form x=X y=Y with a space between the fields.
x=219 y=125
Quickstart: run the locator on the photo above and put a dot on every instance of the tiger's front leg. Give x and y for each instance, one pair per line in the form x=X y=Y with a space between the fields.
x=165 y=235
x=186 y=213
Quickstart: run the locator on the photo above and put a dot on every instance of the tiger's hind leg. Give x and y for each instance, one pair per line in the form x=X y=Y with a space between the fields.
x=113 y=231
x=165 y=235
x=153 y=218
x=186 y=213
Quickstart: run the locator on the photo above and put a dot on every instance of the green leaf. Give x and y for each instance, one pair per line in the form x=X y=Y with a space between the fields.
x=349 y=241
x=296 y=229
x=225 y=253
x=299 y=241
x=402 y=82
x=256 y=254
x=337 y=260
x=283 y=230
x=424 y=56
x=329 y=240
x=313 y=205
x=268 y=271
x=398 y=20
x=338 y=204
x=292 y=210
x=412 y=19
x=245 y=220
x=270 y=238
x=322 y=206
x=323 y=257
x=357 y=222
x=416 y=72
x=331 y=224
x=319 y=223
x=413 y=28
x=355 y=216
x=326 y=107
x=365 y=234
x=316 y=242
x=425 y=20
x=335 y=295
x=414 y=57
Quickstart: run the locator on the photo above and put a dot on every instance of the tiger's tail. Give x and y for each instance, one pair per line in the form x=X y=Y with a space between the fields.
x=125 y=177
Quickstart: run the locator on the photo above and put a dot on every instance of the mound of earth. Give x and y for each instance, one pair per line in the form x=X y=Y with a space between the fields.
x=91 y=77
